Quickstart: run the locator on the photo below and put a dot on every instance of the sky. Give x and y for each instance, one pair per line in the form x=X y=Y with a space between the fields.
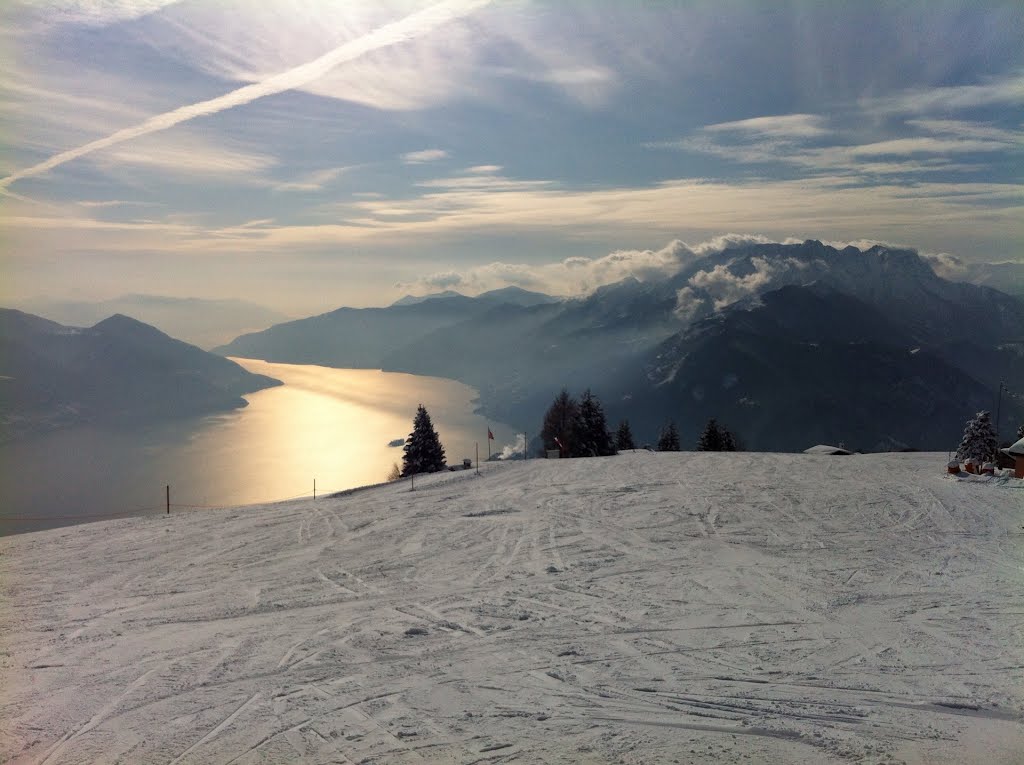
x=308 y=154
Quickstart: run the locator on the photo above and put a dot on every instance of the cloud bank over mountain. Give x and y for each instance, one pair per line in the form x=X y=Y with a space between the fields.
x=580 y=275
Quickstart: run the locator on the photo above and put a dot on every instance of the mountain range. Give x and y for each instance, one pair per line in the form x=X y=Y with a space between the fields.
x=118 y=371
x=198 y=321
x=788 y=344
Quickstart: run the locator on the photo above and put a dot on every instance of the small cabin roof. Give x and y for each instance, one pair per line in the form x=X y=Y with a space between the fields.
x=826 y=449
x=1015 y=450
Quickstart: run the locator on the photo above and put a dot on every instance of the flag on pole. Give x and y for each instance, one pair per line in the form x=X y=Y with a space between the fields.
x=490 y=435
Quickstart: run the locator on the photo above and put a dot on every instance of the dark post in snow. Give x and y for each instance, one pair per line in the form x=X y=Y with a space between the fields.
x=478 y=458
x=999 y=406
x=168 y=489
x=314 y=490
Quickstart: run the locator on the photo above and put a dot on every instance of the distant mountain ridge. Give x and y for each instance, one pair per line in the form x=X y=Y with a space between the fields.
x=902 y=340
x=117 y=371
x=200 y=321
x=504 y=296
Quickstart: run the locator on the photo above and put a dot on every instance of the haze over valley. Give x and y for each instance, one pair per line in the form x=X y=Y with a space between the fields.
x=883 y=351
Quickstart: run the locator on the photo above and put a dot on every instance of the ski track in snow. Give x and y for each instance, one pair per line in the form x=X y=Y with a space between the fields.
x=642 y=608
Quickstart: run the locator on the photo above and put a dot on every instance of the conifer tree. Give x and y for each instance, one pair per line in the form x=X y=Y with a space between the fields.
x=711 y=439
x=1020 y=432
x=979 y=442
x=717 y=438
x=729 y=441
x=423 y=450
x=593 y=438
x=624 y=437
x=668 y=441
x=560 y=424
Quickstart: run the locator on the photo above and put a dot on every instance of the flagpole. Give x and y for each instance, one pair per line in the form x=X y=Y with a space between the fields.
x=999 y=407
x=488 y=442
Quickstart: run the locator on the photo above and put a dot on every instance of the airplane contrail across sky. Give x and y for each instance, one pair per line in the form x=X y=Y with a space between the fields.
x=408 y=28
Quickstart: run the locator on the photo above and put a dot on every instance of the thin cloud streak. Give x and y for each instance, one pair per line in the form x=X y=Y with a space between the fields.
x=427 y=155
x=405 y=29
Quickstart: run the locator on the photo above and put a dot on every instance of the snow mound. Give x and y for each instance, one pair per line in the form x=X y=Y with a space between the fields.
x=826 y=449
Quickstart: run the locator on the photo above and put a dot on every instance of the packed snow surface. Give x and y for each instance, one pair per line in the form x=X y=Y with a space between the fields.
x=676 y=607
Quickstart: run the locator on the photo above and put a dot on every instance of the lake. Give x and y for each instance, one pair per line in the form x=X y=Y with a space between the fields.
x=331 y=426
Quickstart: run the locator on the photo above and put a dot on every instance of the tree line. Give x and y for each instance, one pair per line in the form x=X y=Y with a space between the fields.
x=578 y=428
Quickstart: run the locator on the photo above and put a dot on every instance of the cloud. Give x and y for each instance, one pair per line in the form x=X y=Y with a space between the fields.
x=186 y=154
x=314 y=181
x=792 y=126
x=484 y=169
x=418 y=23
x=482 y=182
x=934 y=216
x=726 y=241
x=589 y=85
x=577 y=275
x=968 y=130
x=916 y=145
x=1001 y=91
x=946 y=265
x=426 y=155
x=776 y=138
x=580 y=275
x=94 y=12
x=115 y=203
x=725 y=288
x=443 y=281
x=801 y=141
x=804 y=205
x=688 y=303
x=965 y=218
x=239 y=40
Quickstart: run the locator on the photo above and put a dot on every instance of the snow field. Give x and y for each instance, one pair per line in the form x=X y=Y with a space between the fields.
x=671 y=607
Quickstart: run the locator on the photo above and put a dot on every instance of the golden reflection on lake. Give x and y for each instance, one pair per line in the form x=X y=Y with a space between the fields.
x=334 y=425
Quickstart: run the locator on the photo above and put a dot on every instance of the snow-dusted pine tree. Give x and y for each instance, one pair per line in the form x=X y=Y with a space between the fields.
x=423 y=450
x=1020 y=432
x=979 y=441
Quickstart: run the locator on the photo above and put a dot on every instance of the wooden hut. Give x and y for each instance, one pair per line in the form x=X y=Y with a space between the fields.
x=1016 y=452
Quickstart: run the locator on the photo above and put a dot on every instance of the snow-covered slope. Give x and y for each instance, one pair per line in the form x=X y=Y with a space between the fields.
x=642 y=608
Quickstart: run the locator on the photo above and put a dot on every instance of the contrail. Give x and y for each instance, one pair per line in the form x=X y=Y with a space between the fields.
x=408 y=28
